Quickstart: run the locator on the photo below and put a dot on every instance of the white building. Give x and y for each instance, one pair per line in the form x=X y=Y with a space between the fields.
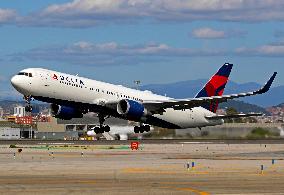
x=19 y=111
x=10 y=133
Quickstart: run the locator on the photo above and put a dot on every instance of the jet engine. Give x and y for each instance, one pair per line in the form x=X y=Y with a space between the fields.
x=65 y=112
x=131 y=108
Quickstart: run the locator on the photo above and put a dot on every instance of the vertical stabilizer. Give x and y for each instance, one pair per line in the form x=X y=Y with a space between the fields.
x=215 y=86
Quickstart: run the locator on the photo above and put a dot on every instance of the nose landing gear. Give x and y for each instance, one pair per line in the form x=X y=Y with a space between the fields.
x=28 y=108
x=28 y=99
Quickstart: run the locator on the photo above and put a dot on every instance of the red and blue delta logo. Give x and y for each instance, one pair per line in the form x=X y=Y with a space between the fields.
x=55 y=77
x=67 y=79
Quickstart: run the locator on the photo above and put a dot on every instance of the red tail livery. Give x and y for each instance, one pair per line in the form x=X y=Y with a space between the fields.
x=215 y=86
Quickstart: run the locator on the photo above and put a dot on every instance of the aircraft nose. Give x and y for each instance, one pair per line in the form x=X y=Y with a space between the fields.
x=19 y=84
x=15 y=81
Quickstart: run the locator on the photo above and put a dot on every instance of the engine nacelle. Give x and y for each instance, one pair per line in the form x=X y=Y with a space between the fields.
x=131 y=108
x=65 y=112
x=122 y=136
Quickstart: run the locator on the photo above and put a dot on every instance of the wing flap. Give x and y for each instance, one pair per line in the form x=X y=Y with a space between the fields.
x=216 y=117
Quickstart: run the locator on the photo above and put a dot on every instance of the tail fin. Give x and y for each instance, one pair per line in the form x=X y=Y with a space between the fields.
x=215 y=86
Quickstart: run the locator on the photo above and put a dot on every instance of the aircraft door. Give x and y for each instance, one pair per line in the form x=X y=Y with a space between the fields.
x=117 y=95
x=191 y=115
x=46 y=79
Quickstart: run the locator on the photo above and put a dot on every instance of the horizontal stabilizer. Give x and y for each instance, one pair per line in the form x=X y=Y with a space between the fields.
x=216 y=117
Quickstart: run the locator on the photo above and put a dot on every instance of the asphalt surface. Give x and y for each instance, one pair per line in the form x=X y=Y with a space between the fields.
x=160 y=167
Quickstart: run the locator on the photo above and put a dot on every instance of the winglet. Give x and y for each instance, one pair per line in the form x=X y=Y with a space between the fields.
x=267 y=85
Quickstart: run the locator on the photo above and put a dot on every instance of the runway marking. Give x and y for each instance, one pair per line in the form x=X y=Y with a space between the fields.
x=187 y=189
x=87 y=182
x=142 y=170
x=157 y=171
x=197 y=172
x=56 y=143
x=199 y=142
x=169 y=166
x=178 y=182
x=193 y=190
x=49 y=180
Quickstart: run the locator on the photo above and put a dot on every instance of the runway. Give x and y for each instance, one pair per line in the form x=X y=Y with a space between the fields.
x=156 y=168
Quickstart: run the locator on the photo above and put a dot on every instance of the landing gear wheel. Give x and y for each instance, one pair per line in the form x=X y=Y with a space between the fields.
x=28 y=99
x=136 y=129
x=28 y=108
x=102 y=128
x=142 y=129
x=147 y=128
x=97 y=130
x=106 y=128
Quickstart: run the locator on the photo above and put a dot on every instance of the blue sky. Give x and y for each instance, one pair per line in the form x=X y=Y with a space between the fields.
x=159 y=41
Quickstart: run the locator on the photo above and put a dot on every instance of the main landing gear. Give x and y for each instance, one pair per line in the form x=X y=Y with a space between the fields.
x=141 y=128
x=28 y=107
x=102 y=128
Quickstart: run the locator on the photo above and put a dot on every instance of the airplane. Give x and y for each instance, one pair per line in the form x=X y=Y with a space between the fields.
x=72 y=96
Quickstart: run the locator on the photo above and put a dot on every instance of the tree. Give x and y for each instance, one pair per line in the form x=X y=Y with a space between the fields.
x=232 y=111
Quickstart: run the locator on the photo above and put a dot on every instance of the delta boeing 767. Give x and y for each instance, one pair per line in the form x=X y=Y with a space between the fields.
x=72 y=96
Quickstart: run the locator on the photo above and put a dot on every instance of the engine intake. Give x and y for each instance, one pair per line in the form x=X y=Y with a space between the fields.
x=131 y=108
x=65 y=112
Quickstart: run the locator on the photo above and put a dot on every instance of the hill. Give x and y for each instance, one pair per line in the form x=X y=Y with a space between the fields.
x=243 y=107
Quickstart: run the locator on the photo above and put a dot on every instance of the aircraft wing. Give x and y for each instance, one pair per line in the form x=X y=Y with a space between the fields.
x=179 y=104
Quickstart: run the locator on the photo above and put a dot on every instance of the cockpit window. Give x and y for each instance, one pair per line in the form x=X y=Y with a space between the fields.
x=26 y=74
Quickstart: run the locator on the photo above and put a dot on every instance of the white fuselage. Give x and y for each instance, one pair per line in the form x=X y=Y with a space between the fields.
x=60 y=86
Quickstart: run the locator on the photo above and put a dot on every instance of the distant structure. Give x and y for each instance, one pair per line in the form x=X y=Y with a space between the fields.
x=281 y=132
x=1 y=112
x=19 y=111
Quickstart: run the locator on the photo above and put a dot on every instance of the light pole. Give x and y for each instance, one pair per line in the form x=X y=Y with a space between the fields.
x=137 y=82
